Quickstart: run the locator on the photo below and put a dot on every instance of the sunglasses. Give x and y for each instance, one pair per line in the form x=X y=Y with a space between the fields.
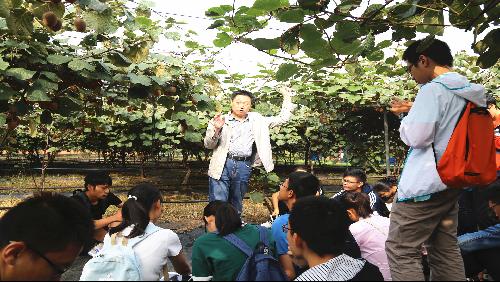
x=58 y=270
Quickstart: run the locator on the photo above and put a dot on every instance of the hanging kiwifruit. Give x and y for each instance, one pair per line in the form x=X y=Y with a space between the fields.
x=80 y=25
x=57 y=26
x=49 y=19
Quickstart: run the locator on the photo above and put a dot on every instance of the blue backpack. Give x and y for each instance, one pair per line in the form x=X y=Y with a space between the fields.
x=117 y=261
x=260 y=265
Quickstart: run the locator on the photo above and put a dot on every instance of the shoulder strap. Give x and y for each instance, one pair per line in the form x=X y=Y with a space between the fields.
x=263 y=235
x=145 y=236
x=238 y=243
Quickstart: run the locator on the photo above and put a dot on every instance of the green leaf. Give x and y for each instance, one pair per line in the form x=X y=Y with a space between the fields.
x=193 y=137
x=102 y=23
x=384 y=44
x=216 y=24
x=270 y=5
x=286 y=71
x=119 y=60
x=3 y=64
x=20 y=73
x=256 y=197
x=139 y=79
x=292 y=16
x=309 y=32
x=40 y=8
x=79 y=65
x=51 y=76
x=432 y=17
x=6 y=92
x=7 y=5
x=223 y=40
x=3 y=119
x=56 y=59
x=144 y=21
x=20 y=22
x=290 y=42
x=38 y=92
x=348 y=31
x=264 y=43
x=218 y=11
x=376 y=56
x=192 y=44
x=488 y=59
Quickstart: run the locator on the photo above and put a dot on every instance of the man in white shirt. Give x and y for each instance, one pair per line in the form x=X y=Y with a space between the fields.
x=240 y=140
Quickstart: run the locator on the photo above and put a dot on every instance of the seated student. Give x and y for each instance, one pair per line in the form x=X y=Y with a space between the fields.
x=369 y=230
x=386 y=190
x=298 y=185
x=317 y=231
x=355 y=181
x=139 y=213
x=213 y=256
x=97 y=198
x=41 y=237
x=481 y=250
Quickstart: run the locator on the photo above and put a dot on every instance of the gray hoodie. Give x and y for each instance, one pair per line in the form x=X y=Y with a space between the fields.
x=432 y=120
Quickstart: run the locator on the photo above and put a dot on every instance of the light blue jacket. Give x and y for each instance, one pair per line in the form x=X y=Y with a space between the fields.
x=432 y=120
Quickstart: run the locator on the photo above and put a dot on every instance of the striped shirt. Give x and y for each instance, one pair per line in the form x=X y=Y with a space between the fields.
x=371 y=195
x=341 y=268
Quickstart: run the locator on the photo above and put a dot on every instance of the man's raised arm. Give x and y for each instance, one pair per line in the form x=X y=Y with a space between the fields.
x=287 y=108
x=213 y=132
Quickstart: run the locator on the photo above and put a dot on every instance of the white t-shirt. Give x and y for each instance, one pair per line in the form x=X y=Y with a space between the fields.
x=153 y=252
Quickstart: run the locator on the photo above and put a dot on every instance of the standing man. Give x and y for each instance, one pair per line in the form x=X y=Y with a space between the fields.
x=240 y=140
x=426 y=211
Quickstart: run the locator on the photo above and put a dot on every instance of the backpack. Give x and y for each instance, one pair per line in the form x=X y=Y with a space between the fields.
x=260 y=265
x=116 y=262
x=470 y=157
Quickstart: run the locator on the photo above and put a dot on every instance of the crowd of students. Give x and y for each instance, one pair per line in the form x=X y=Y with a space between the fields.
x=318 y=239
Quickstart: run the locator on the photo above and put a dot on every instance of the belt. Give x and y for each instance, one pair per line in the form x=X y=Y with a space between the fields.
x=238 y=158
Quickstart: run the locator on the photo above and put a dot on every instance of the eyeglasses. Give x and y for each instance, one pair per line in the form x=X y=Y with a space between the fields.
x=285 y=228
x=58 y=270
x=493 y=206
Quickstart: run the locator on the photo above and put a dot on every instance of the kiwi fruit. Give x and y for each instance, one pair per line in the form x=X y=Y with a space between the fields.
x=57 y=26
x=49 y=19
x=80 y=25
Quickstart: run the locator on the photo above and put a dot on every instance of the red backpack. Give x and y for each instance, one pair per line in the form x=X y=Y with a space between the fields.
x=470 y=157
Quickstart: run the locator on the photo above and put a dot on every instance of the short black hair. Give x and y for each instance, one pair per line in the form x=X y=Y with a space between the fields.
x=437 y=50
x=493 y=192
x=385 y=184
x=303 y=184
x=98 y=178
x=359 y=174
x=227 y=219
x=321 y=223
x=491 y=100
x=48 y=223
x=360 y=202
x=243 y=93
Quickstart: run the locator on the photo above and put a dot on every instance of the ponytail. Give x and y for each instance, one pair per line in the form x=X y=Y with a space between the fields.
x=136 y=209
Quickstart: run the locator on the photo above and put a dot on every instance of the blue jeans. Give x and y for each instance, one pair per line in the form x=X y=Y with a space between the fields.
x=233 y=184
x=481 y=240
